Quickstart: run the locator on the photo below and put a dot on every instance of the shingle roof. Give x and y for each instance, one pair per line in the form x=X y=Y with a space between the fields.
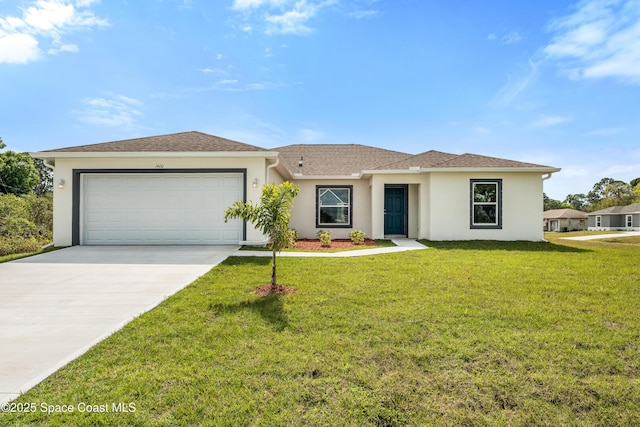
x=427 y=159
x=478 y=161
x=176 y=142
x=618 y=210
x=564 y=214
x=318 y=159
x=335 y=159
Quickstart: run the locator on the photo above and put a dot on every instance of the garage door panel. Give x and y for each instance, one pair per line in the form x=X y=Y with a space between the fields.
x=160 y=208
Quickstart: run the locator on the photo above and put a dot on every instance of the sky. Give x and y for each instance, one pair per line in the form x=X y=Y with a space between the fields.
x=551 y=82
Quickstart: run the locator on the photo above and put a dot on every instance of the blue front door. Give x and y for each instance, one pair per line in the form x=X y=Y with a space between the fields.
x=395 y=210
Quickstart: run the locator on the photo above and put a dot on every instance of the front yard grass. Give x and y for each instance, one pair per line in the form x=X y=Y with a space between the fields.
x=463 y=333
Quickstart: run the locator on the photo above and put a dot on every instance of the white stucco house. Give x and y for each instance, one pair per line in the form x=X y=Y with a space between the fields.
x=173 y=189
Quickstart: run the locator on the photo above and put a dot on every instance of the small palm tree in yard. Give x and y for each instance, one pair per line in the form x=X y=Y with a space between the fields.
x=270 y=216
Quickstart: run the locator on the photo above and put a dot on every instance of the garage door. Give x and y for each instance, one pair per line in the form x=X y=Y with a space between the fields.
x=159 y=209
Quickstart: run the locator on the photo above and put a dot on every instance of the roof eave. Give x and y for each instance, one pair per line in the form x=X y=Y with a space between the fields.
x=147 y=154
x=541 y=169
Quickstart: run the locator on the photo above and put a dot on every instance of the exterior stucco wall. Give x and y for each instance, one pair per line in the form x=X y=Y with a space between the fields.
x=522 y=207
x=63 y=198
x=303 y=214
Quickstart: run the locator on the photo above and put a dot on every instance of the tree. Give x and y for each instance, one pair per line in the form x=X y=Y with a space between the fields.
x=45 y=185
x=634 y=182
x=578 y=201
x=550 y=203
x=271 y=217
x=597 y=193
x=18 y=175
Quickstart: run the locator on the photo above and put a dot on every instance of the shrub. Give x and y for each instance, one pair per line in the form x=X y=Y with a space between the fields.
x=25 y=223
x=18 y=245
x=325 y=237
x=292 y=237
x=357 y=237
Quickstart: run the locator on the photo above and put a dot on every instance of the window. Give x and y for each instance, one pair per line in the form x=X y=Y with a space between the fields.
x=486 y=203
x=598 y=221
x=334 y=206
x=629 y=221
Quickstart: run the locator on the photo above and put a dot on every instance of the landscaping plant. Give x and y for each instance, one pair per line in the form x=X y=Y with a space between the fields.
x=357 y=237
x=270 y=216
x=325 y=238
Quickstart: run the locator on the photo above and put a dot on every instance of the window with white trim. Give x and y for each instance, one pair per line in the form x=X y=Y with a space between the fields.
x=333 y=206
x=598 y=221
x=629 y=220
x=486 y=203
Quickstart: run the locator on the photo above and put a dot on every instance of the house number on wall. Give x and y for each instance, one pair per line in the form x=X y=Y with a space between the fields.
x=159 y=166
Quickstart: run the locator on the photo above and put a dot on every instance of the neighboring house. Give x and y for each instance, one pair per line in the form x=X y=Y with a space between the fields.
x=616 y=218
x=173 y=189
x=564 y=220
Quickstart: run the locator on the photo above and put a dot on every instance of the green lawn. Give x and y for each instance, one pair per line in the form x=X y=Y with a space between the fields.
x=471 y=333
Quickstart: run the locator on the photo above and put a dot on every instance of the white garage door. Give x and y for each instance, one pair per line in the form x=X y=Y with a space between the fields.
x=159 y=209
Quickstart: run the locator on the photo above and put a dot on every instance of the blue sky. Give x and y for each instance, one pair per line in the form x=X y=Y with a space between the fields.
x=550 y=82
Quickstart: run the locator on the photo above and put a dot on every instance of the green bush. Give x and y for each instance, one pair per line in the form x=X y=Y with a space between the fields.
x=292 y=237
x=18 y=245
x=357 y=237
x=325 y=237
x=26 y=223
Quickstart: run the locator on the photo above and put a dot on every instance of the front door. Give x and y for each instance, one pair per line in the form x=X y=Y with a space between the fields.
x=395 y=210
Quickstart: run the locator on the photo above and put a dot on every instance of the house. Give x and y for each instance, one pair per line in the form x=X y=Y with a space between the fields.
x=564 y=220
x=616 y=218
x=173 y=189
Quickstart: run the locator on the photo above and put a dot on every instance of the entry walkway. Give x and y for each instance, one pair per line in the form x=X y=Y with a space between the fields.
x=402 y=244
x=604 y=236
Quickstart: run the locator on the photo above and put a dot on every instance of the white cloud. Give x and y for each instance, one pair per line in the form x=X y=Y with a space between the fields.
x=515 y=85
x=254 y=4
x=293 y=21
x=112 y=111
x=546 y=121
x=44 y=20
x=511 y=38
x=310 y=136
x=363 y=14
x=599 y=39
x=18 y=48
x=280 y=16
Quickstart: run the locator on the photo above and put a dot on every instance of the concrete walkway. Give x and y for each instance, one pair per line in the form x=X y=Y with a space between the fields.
x=604 y=236
x=402 y=245
x=55 y=306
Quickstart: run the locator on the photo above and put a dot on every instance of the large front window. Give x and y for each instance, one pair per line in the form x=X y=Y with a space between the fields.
x=333 y=206
x=486 y=203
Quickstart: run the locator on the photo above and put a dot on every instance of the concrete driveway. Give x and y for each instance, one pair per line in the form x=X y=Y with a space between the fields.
x=55 y=306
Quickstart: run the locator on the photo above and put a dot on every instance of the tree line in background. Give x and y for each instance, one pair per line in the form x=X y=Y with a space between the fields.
x=26 y=203
x=606 y=193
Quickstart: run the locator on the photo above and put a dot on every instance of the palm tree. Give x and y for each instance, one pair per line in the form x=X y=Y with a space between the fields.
x=271 y=216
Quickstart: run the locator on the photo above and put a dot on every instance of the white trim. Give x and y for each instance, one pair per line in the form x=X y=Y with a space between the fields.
x=143 y=154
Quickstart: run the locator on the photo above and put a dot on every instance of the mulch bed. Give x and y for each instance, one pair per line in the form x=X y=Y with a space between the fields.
x=313 y=244
x=266 y=290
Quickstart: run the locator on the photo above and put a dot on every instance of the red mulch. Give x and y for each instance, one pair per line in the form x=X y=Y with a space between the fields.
x=266 y=290
x=312 y=244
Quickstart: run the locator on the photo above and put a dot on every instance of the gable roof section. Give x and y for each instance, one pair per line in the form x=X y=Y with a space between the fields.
x=469 y=160
x=335 y=159
x=176 y=142
x=619 y=210
x=427 y=159
x=564 y=214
